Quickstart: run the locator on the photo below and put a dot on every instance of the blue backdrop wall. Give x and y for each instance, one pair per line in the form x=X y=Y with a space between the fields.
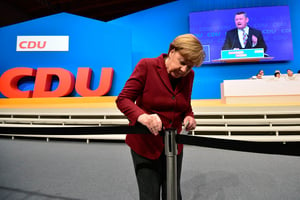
x=92 y=43
x=121 y=43
x=153 y=30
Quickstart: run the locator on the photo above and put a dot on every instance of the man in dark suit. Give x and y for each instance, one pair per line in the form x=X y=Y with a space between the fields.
x=243 y=36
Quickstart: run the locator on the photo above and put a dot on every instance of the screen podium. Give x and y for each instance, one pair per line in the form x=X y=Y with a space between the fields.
x=243 y=55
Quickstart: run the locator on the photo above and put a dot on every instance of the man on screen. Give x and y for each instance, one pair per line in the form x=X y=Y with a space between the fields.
x=243 y=36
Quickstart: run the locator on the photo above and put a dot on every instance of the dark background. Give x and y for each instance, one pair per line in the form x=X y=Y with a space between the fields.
x=15 y=11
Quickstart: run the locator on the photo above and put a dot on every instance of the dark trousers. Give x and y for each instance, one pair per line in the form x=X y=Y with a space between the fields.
x=151 y=176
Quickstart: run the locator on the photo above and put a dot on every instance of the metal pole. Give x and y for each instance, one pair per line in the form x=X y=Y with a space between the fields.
x=171 y=160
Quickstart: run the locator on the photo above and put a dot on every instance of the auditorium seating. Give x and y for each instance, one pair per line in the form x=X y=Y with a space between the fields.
x=250 y=124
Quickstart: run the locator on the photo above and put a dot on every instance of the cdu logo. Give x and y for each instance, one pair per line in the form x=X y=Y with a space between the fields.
x=42 y=43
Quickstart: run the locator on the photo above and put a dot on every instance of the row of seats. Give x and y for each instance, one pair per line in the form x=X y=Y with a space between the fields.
x=251 y=125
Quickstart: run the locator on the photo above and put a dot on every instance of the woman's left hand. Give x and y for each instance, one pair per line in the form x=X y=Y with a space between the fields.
x=192 y=123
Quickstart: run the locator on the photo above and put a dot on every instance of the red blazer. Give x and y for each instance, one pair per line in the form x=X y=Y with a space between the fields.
x=149 y=90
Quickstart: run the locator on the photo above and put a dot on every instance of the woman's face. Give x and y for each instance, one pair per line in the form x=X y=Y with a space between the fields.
x=176 y=65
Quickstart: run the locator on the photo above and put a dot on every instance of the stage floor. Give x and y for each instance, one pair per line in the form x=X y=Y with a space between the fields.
x=69 y=170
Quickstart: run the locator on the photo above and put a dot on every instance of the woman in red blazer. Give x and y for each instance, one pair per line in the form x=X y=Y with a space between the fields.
x=158 y=94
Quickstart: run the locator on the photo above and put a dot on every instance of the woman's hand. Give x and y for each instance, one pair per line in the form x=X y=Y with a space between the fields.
x=152 y=122
x=191 y=123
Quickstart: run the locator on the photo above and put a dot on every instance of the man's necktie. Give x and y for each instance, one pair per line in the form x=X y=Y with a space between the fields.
x=245 y=37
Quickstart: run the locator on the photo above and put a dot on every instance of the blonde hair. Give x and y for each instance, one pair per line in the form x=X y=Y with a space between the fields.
x=189 y=47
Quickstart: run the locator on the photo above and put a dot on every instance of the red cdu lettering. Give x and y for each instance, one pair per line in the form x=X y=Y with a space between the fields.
x=10 y=79
x=41 y=46
x=44 y=79
x=22 y=45
x=43 y=82
x=31 y=45
x=83 y=80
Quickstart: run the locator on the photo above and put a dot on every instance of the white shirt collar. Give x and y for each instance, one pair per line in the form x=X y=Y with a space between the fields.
x=246 y=29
